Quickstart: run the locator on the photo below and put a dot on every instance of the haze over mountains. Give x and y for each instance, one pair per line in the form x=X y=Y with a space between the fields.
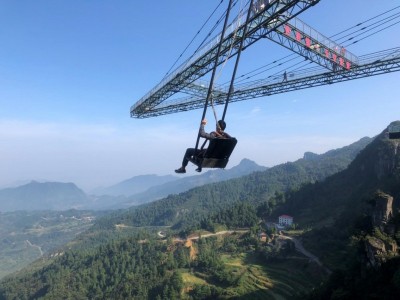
x=352 y=229
x=146 y=188
x=43 y=196
x=64 y=196
x=134 y=185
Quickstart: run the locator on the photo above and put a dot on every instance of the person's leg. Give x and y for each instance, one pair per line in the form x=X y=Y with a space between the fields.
x=189 y=152
x=200 y=153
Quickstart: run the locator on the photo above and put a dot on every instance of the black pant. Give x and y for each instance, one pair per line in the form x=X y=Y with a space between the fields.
x=189 y=153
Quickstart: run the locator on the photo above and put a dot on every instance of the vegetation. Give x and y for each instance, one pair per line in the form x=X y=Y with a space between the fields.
x=122 y=257
x=146 y=268
x=27 y=236
x=189 y=208
x=361 y=280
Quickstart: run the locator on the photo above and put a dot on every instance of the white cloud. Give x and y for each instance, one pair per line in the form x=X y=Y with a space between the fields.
x=255 y=110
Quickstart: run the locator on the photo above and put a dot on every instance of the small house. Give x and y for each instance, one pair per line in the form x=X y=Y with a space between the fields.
x=263 y=236
x=285 y=220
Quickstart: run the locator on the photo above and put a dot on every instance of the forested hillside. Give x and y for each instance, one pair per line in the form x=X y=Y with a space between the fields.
x=245 y=167
x=267 y=187
x=141 y=267
x=115 y=258
x=360 y=236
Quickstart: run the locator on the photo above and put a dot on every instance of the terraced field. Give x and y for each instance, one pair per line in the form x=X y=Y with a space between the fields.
x=284 y=279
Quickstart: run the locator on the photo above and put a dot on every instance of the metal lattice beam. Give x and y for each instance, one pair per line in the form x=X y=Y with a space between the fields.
x=300 y=38
x=200 y=65
x=380 y=65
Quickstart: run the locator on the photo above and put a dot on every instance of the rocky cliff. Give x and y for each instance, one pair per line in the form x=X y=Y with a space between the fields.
x=381 y=245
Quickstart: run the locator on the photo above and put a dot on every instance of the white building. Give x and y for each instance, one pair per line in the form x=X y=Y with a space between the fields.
x=285 y=220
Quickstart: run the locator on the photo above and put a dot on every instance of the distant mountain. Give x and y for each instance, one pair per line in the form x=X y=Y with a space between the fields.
x=325 y=193
x=134 y=185
x=42 y=196
x=147 y=188
x=254 y=188
x=355 y=218
x=329 y=195
x=377 y=167
x=245 y=167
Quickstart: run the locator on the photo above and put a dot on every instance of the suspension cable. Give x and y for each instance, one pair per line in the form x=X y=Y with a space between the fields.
x=214 y=69
x=237 y=58
x=227 y=57
x=274 y=65
x=190 y=43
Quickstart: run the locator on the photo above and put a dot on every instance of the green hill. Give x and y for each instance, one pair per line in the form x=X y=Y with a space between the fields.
x=42 y=196
x=189 y=208
x=115 y=260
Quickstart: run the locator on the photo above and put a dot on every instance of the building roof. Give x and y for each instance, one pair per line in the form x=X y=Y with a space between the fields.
x=286 y=216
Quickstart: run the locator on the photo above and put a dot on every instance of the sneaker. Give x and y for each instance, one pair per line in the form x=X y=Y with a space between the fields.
x=181 y=170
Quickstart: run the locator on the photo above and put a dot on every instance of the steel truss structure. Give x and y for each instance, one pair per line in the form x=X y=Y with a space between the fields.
x=380 y=65
x=275 y=20
x=196 y=67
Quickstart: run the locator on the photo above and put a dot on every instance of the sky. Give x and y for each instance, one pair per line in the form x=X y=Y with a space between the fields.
x=70 y=70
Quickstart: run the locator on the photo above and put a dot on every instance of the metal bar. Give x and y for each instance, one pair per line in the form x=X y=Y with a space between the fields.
x=237 y=59
x=373 y=65
x=200 y=65
x=210 y=87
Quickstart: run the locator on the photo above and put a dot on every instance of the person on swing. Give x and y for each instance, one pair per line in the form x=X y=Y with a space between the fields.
x=217 y=134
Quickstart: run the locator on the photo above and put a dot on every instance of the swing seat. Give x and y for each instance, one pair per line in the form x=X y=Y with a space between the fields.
x=216 y=155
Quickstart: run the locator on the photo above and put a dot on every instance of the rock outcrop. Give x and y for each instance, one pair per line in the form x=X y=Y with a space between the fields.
x=380 y=246
x=375 y=251
x=382 y=210
x=388 y=161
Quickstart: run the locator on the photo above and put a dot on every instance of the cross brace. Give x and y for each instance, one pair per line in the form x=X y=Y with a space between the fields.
x=380 y=65
x=202 y=63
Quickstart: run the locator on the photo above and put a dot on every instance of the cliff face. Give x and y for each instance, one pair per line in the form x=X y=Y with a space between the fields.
x=381 y=246
x=382 y=210
x=388 y=162
x=378 y=167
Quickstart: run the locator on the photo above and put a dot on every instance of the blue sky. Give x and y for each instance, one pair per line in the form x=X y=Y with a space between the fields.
x=70 y=70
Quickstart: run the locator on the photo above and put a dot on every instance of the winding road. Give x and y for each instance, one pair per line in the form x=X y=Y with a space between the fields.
x=35 y=246
x=300 y=248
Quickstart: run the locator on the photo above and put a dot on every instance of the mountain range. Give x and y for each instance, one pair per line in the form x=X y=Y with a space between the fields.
x=245 y=167
x=139 y=189
x=147 y=188
x=253 y=188
x=328 y=197
x=43 y=196
x=134 y=185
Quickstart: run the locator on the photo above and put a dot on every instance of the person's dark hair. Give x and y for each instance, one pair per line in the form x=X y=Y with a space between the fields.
x=222 y=124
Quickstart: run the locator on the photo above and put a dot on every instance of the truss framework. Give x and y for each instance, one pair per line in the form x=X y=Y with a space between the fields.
x=276 y=21
x=198 y=66
x=300 y=38
x=262 y=88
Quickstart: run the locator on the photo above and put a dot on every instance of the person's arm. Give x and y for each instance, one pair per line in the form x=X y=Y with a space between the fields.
x=226 y=135
x=204 y=134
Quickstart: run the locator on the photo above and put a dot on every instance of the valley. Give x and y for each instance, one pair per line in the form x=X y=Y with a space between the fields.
x=215 y=241
x=28 y=236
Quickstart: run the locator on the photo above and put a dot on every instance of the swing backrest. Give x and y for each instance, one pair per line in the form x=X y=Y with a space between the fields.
x=218 y=153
